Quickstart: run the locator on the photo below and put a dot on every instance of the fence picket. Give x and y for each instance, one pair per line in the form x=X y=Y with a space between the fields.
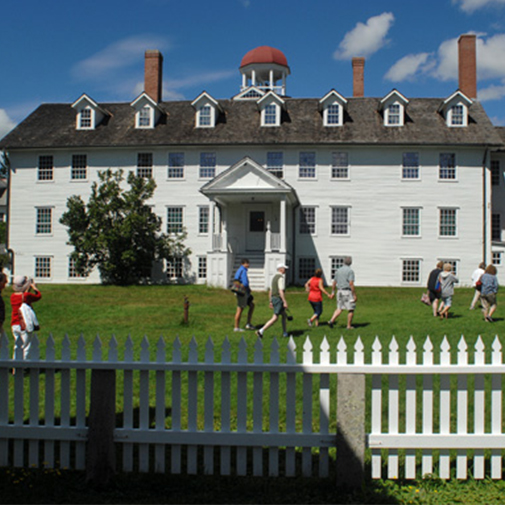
x=394 y=410
x=324 y=407
x=80 y=397
x=427 y=408
x=291 y=408
x=462 y=409
x=175 y=463
x=4 y=398
x=160 y=406
x=65 y=402
x=226 y=407
x=242 y=407
x=445 y=408
x=410 y=410
x=376 y=408
x=33 y=445
x=128 y=405
x=208 y=407
x=258 y=408
x=192 y=465
x=496 y=408
x=273 y=452
x=479 y=410
x=308 y=359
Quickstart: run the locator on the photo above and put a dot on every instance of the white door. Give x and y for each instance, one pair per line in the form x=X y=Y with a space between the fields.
x=256 y=229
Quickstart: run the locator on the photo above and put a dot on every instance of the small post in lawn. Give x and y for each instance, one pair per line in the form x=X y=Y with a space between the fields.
x=186 y=310
x=101 y=456
x=351 y=438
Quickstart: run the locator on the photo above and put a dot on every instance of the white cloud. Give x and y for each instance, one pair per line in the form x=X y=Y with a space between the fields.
x=493 y=92
x=470 y=6
x=122 y=54
x=6 y=123
x=409 y=67
x=365 y=39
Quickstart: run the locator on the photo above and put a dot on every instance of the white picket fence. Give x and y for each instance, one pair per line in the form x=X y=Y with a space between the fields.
x=247 y=410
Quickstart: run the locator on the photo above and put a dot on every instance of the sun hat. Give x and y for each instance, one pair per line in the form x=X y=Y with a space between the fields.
x=21 y=283
x=281 y=265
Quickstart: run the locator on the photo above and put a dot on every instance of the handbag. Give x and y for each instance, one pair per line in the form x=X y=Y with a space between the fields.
x=27 y=318
x=289 y=317
x=237 y=287
x=478 y=285
x=425 y=298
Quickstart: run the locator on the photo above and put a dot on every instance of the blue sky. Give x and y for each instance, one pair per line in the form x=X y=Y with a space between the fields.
x=54 y=51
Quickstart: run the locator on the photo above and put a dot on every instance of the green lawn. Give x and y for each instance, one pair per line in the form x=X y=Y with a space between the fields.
x=155 y=311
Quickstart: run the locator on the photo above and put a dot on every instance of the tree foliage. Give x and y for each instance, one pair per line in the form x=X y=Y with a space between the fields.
x=117 y=231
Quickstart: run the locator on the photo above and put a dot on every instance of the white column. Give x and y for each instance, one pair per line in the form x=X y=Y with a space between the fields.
x=253 y=78
x=271 y=79
x=283 y=83
x=224 y=226
x=268 y=238
x=244 y=81
x=212 y=224
x=282 y=225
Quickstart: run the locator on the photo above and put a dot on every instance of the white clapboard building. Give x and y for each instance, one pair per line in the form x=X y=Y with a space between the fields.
x=396 y=182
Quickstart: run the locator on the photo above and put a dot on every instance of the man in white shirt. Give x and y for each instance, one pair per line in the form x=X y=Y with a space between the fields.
x=477 y=274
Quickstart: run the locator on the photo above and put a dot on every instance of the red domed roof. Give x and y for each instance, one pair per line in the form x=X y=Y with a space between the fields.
x=264 y=54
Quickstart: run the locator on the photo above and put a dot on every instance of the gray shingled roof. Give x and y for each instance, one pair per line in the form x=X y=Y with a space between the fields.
x=54 y=126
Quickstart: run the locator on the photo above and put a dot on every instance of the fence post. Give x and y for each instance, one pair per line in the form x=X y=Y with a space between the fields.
x=101 y=456
x=351 y=430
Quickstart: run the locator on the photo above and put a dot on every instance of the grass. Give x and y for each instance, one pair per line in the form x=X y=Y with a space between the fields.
x=155 y=311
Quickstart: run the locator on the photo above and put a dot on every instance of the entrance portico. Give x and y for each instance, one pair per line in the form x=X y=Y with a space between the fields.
x=251 y=215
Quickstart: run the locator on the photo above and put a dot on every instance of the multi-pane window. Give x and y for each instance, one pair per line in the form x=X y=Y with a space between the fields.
x=496 y=227
x=453 y=263
x=46 y=168
x=174 y=268
x=203 y=220
x=306 y=268
x=79 y=170
x=411 y=226
x=145 y=117
x=333 y=114
x=447 y=223
x=336 y=263
x=144 y=164
x=43 y=267
x=85 y=118
x=207 y=165
x=308 y=220
x=72 y=271
x=175 y=165
x=202 y=267
x=175 y=220
x=495 y=173
x=394 y=114
x=205 y=116
x=497 y=258
x=270 y=114
x=411 y=270
x=307 y=168
x=457 y=115
x=44 y=221
x=447 y=166
x=340 y=165
x=275 y=163
x=340 y=223
x=410 y=166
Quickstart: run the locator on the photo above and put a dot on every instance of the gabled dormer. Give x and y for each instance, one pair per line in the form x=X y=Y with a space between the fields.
x=250 y=93
x=333 y=105
x=455 y=109
x=393 y=107
x=147 y=112
x=89 y=113
x=271 y=106
x=207 y=110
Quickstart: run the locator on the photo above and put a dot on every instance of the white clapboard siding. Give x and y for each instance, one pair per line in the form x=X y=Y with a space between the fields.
x=203 y=410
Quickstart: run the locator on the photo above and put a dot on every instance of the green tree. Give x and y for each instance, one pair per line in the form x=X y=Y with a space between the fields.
x=117 y=231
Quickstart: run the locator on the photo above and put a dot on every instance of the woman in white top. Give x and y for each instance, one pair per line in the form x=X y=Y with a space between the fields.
x=477 y=274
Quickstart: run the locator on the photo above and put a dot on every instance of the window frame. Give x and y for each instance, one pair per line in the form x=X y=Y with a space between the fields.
x=495 y=172
x=145 y=165
x=394 y=118
x=175 y=227
x=307 y=171
x=172 y=169
x=71 y=272
x=85 y=119
x=406 y=225
x=496 y=227
x=202 y=268
x=38 y=267
x=43 y=227
x=145 y=117
x=202 y=168
x=335 y=168
x=410 y=172
x=175 y=266
x=275 y=168
x=447 y=173
x=417 y=271
x=307 y=226
x=334 y=223
x=203 y=220
x=79 y=168
x=45 y=169
x=308 y=269
x=446 y=225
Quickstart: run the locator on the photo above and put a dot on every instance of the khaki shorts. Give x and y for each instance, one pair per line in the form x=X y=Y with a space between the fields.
x=488 y=300
x=345 y=300
x=244 y=300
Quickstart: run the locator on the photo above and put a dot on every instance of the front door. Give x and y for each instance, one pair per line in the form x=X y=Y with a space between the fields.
x=255 y=238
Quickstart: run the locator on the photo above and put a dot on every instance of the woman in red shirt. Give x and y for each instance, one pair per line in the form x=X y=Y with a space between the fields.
x=315 y=288
x=21 y=286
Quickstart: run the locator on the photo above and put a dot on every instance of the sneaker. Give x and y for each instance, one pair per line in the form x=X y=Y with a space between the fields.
x=330 y=324
x=309 y=322
x=259 y=334
x=285 y=334
x=489 y=319
x=249 y=327
x=238 y=329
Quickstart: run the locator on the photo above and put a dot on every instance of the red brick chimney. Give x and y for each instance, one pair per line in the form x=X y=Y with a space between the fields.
x=358 y=77
x=467 y=62
x=153 y=74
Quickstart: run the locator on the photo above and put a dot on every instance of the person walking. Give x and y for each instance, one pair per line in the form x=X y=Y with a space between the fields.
x=246 y=299
x=447 y=281
x=25 y=291
x=476 y=275
x=433 y=292
x=346 y=293
x=488 y=292
x=278 y=303
x=315 y=287
x=3 y=283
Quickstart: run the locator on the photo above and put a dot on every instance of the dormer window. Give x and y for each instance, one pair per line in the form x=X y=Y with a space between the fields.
x=332 y=106
x=271 y=106
x=147 y=111
x=455 y=110
x=393 y=106
x=89 y=113
x=207 y=111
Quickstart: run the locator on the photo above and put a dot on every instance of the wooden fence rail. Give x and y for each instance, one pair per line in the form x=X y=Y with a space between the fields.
x=248 y=410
